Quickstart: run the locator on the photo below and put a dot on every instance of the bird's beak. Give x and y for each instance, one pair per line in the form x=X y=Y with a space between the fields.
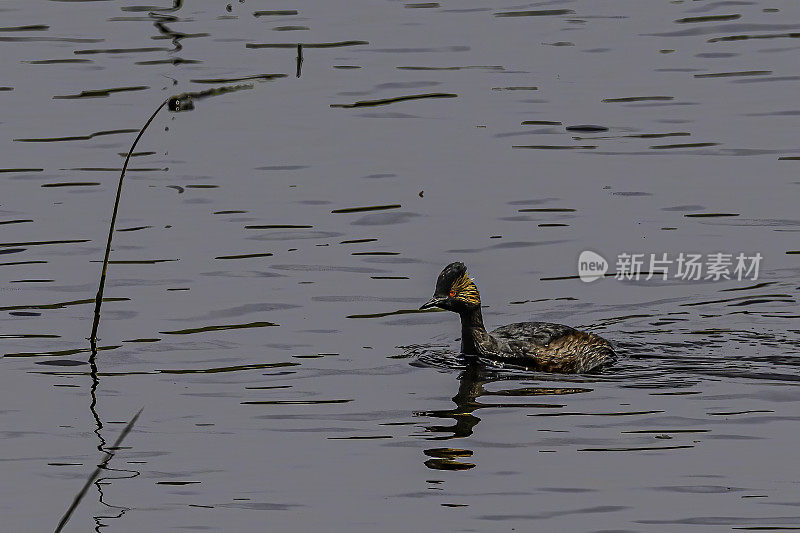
x=433 y=302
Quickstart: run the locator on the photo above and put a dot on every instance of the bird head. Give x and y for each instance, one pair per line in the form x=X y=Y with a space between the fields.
x=455 y=290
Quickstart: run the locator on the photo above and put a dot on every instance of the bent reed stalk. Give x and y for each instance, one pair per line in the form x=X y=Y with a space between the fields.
x=99 y=298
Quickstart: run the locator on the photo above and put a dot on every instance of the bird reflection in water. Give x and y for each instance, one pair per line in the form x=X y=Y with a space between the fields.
x=472 y=386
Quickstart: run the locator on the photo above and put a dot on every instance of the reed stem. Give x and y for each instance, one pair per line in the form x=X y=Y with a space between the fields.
x=100 y=466
x=99 y=299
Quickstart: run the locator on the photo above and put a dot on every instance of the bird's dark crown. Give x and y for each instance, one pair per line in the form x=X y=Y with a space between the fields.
x=450 y=274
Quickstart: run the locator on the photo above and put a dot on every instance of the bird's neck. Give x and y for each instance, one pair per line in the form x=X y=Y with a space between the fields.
x=474 y=338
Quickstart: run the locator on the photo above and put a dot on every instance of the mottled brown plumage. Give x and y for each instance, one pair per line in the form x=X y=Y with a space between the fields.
x=535 y=345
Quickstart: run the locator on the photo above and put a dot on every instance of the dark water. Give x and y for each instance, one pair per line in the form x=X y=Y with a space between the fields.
x=265 y=324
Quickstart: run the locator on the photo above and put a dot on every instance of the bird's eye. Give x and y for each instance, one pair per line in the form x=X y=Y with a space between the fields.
x=452 y=293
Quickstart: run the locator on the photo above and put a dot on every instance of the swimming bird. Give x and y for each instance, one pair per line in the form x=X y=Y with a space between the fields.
x=537 y=346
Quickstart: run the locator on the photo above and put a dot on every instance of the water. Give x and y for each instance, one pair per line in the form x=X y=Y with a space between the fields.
x=262 y=322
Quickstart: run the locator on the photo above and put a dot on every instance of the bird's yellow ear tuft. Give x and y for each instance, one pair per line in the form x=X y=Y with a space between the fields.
x=464 y=289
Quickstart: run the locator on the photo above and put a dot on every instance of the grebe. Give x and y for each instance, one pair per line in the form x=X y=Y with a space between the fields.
x=535 y=345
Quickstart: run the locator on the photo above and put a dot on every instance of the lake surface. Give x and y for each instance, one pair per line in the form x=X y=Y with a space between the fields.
x=274 y=243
